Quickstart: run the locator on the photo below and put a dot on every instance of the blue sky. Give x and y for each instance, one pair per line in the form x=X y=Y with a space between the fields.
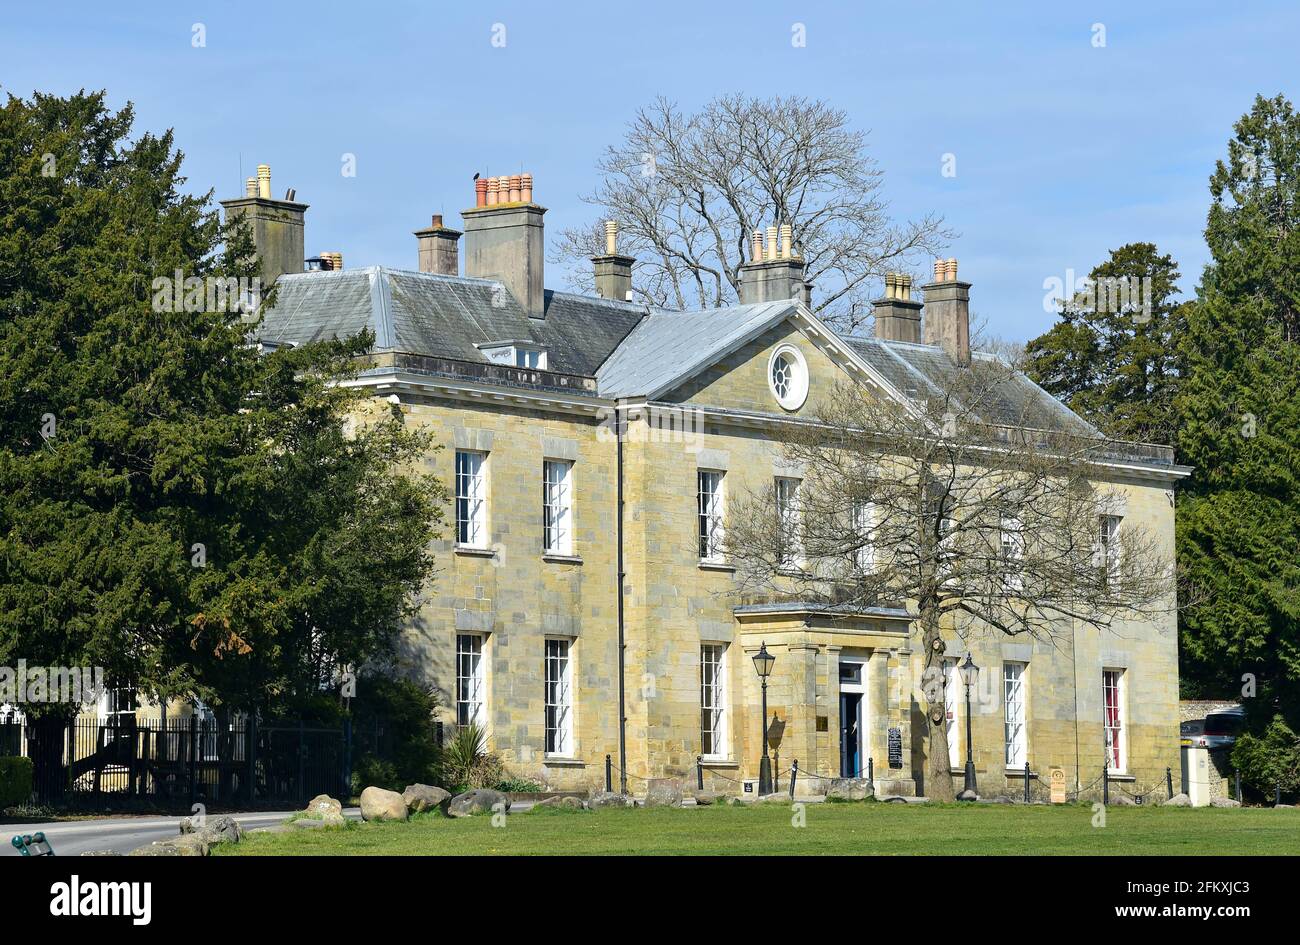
x=1063 y=150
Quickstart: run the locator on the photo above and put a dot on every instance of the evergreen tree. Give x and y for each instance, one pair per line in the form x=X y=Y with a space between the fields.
x=196 y=517
x=1111 y=357
x=1239 y=518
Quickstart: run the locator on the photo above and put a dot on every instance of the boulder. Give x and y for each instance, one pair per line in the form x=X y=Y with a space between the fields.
x=1122 y=800
x=567 y=802
x=600 y=799
x=223 y=829
x=967 y=796
x=1178 y=800
x=705 y=798
x=1224 y=802
x=849 y=789
x=997 y=799
x=190 y=844
x=477 y=801
x=379 y=804
x=663 y=792
x=422 y=797
x=322 y=805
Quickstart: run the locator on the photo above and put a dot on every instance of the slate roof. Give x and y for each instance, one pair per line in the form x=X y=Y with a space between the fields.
x=444 y=316
x=919 y=371
x=668 y=346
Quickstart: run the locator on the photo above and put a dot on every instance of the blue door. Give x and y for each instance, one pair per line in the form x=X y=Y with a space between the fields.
x=850 y=735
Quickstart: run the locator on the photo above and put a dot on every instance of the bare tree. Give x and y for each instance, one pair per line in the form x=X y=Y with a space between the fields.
x=688 y=190
x=1004 y=527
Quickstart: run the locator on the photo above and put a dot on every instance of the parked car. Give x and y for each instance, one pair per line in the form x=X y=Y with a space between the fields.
x=1217 y=730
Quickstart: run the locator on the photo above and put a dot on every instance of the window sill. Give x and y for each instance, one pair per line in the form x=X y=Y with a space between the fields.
x=560 y=559
x=1120 y=776
x=473 y=551
x=719 y=763
x=1020 y=773
x=563 y=761
x=706 y=565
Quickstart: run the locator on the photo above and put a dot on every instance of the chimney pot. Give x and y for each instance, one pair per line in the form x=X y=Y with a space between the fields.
x=526 y=188
x=250 y=187
x=611 y=237
x=264 y=181
x=787 y=241
x=756 y=247
x=492 y=189
x=480 y=192
x=771 y=243
x=514 y=188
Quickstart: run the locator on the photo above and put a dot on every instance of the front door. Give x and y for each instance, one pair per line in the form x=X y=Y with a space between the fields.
x=850 y=734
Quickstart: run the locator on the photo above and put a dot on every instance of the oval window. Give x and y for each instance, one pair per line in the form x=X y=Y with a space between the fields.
x=788 y=377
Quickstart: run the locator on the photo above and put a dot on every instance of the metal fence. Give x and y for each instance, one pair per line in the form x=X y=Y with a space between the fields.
x=123 y=761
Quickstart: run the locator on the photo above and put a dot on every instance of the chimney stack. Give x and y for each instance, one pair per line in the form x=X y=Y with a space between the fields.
x=439 y=247
x=947 y=312
x=504 y=239
x=774 y=273
x=277 y=225
x=613 y=272
x=898 y=318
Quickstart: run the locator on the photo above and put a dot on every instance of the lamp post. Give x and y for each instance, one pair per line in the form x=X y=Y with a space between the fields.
x=763 y=661
x=969 y=674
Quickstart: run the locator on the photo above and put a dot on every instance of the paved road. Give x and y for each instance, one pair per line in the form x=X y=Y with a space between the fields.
x=122 y=834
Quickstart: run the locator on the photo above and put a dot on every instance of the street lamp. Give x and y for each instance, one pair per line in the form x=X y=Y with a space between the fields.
x=763 y=661
x=969 y=674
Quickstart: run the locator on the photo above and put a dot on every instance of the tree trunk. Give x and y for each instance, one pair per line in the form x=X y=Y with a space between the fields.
x=938 y=776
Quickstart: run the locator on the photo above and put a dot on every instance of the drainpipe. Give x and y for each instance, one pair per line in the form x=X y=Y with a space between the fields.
x=619 y=421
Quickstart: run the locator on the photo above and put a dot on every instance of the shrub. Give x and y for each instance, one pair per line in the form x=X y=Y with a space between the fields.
x=408 y=751
x=15 y=781
x=1268 y=760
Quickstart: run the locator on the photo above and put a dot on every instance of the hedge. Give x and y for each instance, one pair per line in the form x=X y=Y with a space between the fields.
x=15 y=781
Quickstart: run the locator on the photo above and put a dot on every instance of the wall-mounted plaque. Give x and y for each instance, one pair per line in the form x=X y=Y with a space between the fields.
x=895 y=748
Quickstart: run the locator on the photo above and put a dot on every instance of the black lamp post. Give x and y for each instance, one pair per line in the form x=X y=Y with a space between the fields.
x=763 y=661
x=969 y=674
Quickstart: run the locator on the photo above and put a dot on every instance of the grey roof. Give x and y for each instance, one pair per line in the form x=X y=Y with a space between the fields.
x=444 y=316
x=919 y=371
x=668 y=347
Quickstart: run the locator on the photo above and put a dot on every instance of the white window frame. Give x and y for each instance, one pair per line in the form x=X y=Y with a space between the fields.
x=709 y=486
x=786 y=490
x=1012 y=552
x=471 y=499
x=557 y=507
x=471 y=679
x=951 y=707
x=1015 y=713
x=1115 y=731
x=1108 y=552
x=558 y=685
x=864 y=525
x=714 y=743
x=791 y=390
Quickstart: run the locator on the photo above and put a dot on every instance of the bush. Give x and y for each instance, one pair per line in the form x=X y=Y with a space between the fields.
x=1268 y=760
x=408 y=751
x=15 y=781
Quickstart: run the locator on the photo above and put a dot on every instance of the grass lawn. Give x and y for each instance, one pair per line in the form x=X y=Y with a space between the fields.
x=849 y=828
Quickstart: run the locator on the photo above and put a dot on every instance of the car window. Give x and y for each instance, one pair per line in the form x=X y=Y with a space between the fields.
x=1193 y=727
x=1223 y=724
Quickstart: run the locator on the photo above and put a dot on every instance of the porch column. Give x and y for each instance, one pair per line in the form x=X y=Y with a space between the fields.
x=878 y=714
x=801 y=735
x=828 y=762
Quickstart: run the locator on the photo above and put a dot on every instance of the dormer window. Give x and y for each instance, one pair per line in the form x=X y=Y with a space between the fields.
x=517 y=353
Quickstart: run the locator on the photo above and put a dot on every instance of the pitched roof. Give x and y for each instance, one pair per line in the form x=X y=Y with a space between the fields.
x=920 y=371
x=444 y=316
x=668 y=347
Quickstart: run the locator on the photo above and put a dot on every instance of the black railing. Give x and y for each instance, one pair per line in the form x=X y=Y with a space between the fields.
x=121 y=762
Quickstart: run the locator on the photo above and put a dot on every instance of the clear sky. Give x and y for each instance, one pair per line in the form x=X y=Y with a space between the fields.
x=1064 y=149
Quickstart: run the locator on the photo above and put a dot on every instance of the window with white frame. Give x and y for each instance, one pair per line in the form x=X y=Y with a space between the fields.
x=1108 y=545
x=713 y=705
x=117 y=707
x=1112 y=692
x=864 y=526
x=951 y=699
x=559 y=698
x=557 y=507
x=1012 y=553
x=1013 y=699
x=787 y=520
x=471 y=499
x=710 y=514
x=470 y=670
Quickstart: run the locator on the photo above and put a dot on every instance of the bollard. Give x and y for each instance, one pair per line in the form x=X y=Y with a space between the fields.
x=1105 y=784
x=1026 y=782
x=794 y=776
x=1169 y=781
x=609 y=776
x=699 y=772
x=871 y=770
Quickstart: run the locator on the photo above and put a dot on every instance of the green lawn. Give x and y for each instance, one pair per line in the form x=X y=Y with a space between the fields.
x=868 y=828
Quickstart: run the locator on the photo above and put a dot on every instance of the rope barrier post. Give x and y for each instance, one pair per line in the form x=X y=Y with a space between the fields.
x=794 y=776
x=1169 y=781
x=609 y=777
x=1105 y=784
x=1237 y=777
x=871 y=770
x=699 y=772
x=1026 y=782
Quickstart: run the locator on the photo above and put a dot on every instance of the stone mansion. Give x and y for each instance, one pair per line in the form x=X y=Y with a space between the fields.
x=581 y=610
